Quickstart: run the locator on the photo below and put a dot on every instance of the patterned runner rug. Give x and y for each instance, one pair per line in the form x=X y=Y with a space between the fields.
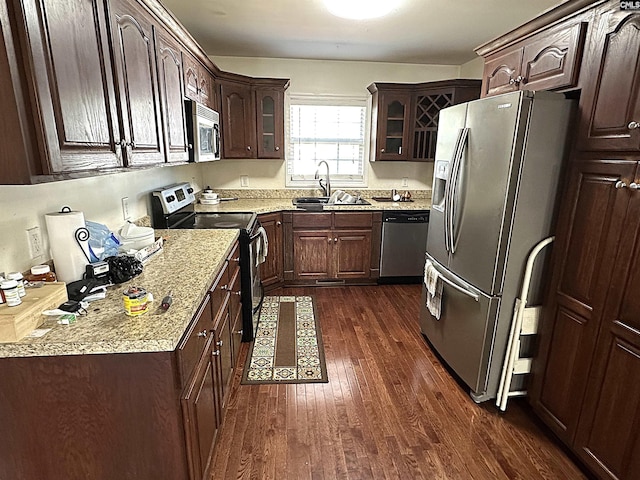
x=288 y=344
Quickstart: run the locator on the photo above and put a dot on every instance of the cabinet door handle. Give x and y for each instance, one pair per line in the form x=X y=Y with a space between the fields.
x=239 y=332
x=215 y=353
x=634 y=186
x=399 y=150
x=202 y=334
x=277 y=149
x=516 y=81
x=620 y=184
x=329 y=239
x=236 y=293
x=278 y=223
x=248 y=147
x=382 y=150
x=335 y=240
x=633 y=125
x=224 y=287
x=219 y=343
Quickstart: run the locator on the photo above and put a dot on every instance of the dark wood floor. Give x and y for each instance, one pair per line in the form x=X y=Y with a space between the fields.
x=390 y=409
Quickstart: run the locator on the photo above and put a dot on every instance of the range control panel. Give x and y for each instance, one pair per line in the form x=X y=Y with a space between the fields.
x=174 y=197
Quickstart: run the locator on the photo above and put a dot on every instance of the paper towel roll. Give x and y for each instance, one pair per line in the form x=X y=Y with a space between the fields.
x=69 y=259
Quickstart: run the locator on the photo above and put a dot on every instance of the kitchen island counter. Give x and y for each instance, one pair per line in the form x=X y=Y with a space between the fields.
x=187 y=266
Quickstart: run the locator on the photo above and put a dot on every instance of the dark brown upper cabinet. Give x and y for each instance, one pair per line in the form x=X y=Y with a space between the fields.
x=137 y=82
x=74 y=101
x=238 y=120
x=548 y=60
x=404 y=123
x=171 y=82
x=270 y=122
x=391 y=114
x=108 y=96
x=252 y=117
x=610 y=100
x=199 y=82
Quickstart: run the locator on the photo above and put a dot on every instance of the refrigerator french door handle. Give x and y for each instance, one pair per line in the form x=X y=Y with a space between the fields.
x=459 y=288
x=447 y=193
x=455 y=175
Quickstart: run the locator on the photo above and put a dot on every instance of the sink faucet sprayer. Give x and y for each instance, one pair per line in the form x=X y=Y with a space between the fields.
x=325 y=188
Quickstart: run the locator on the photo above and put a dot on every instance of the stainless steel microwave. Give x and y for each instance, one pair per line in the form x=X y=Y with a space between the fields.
x=203 y=132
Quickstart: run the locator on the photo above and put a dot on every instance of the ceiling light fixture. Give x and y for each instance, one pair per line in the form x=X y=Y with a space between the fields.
x=361 y=9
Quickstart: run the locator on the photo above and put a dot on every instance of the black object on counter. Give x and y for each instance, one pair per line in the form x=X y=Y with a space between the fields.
x=166 y=302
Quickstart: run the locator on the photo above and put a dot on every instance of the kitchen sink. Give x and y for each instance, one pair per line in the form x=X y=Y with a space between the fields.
x=318 y=202
x=310 y=200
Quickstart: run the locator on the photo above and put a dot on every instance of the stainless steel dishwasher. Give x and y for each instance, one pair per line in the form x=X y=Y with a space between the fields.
x=404 y=241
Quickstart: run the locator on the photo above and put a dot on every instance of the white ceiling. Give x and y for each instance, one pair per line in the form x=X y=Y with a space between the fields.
x=420 y=31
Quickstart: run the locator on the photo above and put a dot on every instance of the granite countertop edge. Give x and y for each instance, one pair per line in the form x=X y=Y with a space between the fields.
x=274 y=205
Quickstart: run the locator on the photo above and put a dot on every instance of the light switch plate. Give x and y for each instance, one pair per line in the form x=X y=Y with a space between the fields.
x=244 y=180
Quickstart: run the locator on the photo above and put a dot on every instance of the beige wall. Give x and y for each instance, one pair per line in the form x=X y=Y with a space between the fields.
x=336 y=78
x=24 y=207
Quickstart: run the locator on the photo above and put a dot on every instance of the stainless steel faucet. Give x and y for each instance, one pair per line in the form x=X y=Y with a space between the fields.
x=325 y=188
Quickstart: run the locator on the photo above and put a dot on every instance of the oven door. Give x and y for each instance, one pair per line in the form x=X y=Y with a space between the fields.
x=257 y=291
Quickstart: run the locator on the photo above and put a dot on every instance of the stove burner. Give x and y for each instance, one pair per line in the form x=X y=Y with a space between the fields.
x=240 y=220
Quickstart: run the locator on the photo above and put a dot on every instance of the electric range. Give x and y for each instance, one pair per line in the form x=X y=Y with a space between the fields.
x=173 y=207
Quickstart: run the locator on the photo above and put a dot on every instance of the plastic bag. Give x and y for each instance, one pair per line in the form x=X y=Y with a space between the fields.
x=102 y=242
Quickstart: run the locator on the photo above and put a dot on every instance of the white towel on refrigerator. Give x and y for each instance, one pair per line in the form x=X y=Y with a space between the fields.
x=433 y=286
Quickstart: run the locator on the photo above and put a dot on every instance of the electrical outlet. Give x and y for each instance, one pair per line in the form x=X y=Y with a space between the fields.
x=405 y=181
x=244 y=180
x=35 y=242
x=125 y=208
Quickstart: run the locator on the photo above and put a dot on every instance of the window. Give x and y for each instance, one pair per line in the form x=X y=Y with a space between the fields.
x=331 y=129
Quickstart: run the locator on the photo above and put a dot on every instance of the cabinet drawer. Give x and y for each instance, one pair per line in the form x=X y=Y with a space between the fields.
x=218 y=290
x=234 y=293
x=353 y=220
x=194 y=341
x=311 y=220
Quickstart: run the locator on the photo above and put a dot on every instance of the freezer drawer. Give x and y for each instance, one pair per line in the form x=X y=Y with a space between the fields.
x=463 y=336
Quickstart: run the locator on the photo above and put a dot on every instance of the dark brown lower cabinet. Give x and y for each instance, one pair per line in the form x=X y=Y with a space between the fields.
x=129 y=416
x=608 y=435
x=201 y=412
x=271 y=271
x=76 y=417
x=332 y=246
x=587 y=376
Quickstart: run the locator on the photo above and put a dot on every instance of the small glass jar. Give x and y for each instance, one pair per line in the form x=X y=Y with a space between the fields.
x=41 y=273
x=10 y=293
x=17 y=276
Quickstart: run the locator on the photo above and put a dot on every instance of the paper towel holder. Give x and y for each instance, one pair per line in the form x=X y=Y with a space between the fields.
x=82 y=235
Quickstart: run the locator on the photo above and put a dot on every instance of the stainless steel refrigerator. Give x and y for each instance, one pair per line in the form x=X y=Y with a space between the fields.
x=496 y=172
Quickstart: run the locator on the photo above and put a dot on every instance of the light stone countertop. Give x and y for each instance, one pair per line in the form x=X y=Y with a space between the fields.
x=188 y=265
x=269 y=205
